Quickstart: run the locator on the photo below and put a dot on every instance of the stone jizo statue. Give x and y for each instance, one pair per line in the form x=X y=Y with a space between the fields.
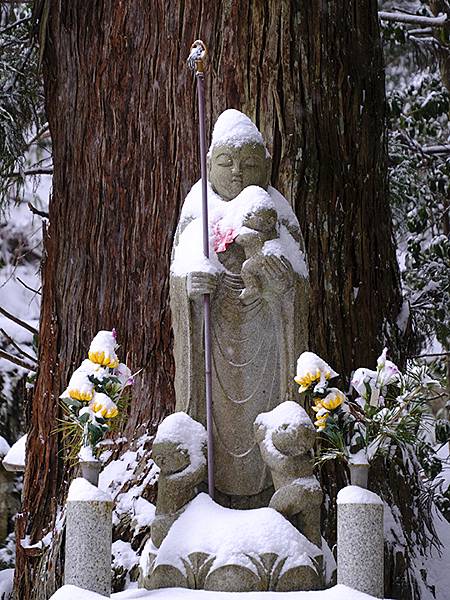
x=258 y=227
x=258 y=281
x=286 y=437
x=179 y=450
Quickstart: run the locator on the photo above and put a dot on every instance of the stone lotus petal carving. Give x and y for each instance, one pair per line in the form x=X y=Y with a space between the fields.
x=214 y=548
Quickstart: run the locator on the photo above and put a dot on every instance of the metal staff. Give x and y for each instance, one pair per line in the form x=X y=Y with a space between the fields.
x=196 y=63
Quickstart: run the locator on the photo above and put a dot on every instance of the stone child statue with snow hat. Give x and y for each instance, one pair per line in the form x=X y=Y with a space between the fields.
x=257 y=278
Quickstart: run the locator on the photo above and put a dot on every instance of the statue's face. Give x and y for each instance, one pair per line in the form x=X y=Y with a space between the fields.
x=292 y=441
x=231 y=169
x=170 y=458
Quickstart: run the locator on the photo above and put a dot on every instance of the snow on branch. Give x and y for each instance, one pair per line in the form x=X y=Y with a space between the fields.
x=400 y=17
x=443 y=149
x=18 y=348
x=17 y=361
x=11 y=317
x=14 y=25
x=38 y=212
x=31 y=172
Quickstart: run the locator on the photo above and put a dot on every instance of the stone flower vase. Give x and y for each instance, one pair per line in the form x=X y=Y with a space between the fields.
x=90 y=470
x=359 y=473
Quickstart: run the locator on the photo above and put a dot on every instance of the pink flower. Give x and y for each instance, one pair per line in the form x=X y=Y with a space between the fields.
x=222 y=239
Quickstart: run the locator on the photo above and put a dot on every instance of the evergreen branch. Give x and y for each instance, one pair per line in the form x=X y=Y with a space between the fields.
x=420 y=31
x=39 y=134
x=443 y=149
x=17 y=347
x=17 y=361
x=18 y=321
x=401 y=17
x=432 y=354
x=428 y=41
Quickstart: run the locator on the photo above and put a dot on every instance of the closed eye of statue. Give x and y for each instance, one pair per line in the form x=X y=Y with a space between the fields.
x=250 y=163
x=224 y=160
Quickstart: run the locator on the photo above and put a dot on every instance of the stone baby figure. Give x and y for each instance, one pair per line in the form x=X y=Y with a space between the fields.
x=258 y=227
x=179 y=450
x=286 y=437
x=255 y=224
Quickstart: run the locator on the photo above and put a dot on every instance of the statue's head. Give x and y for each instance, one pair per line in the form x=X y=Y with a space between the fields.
x=294 y=440
x=180 y=442
x=170 y=457
x=237 y=156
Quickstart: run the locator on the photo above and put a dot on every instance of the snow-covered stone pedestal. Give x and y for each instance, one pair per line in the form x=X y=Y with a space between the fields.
x=199 y=544
x=360 y=541
x=88 y=538
x=215 y=548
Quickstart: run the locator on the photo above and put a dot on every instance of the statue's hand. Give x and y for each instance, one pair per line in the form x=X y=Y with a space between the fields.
x=277 y=274
x=199 y=283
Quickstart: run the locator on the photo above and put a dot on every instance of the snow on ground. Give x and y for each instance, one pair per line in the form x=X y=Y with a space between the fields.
x=14 y=459
x=339 y=592
x=6 y=581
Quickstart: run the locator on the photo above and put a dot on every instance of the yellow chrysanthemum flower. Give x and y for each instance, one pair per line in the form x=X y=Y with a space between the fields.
x=321 y=418
x=333 y=399
x=103 y=405
x=100 y=358
x=312 y=369
x=76 y=394
x=102 y=350
x=317 y=405
x=80 y=387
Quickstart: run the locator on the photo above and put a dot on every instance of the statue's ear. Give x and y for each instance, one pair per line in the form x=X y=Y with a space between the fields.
x=208 y=164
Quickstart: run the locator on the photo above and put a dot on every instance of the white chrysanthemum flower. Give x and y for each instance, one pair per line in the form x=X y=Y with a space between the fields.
x=362 y=378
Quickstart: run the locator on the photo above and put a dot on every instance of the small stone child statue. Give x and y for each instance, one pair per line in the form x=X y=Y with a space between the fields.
x=286 y=436
x=257 y=228
x=179 y=450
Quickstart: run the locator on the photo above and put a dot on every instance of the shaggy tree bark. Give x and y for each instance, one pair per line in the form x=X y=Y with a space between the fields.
x=311 y=76
x=121 y=110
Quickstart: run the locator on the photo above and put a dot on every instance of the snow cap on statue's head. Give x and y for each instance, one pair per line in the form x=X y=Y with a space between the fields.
x=233 y=128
